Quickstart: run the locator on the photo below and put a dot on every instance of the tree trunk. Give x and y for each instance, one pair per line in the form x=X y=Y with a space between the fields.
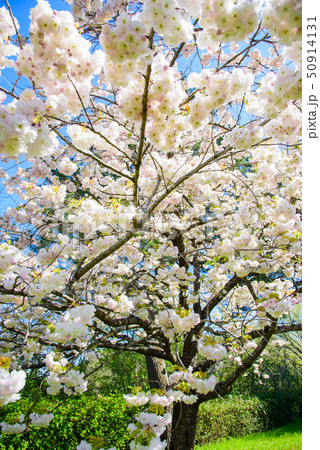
x=181 y=435
x=184 y=424
x=158 y=379
x=157 y=373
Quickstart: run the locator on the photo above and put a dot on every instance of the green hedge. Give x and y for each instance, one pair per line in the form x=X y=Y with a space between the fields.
x=76 y=420
x=235 y=416
x=228 y=417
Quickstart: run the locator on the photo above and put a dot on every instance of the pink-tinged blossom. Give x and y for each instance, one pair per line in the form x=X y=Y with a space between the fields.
x=154 y=444
x=151 y=422
x=67 y=167
x=10 y=384
x=136 y=400
x=201 y=385
x=172 y=323
x=84 y=446
x=42 y=420
x=189 y=399
x=167 y=21
x=162 y=400
x=283 y=19
x=10 y=257
x=72 y=325
x=17 y=428
x=58 y=59
x=7 y=29
x=214 y=351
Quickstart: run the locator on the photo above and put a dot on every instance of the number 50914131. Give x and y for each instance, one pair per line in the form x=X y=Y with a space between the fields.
x=311 y=49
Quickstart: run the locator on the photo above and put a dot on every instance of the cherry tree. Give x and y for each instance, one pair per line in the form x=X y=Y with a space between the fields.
x=157 y=154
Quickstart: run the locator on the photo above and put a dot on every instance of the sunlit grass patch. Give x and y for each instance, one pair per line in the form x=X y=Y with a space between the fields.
x=288 y=437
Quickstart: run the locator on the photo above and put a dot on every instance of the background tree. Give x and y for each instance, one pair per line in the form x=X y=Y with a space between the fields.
x=160 y=206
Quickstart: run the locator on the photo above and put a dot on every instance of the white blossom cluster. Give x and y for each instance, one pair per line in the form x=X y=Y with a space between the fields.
x=72 y=382
x=48 y=280
x=10 y=257
x=72 y=325
x=225 y=21
x=156 y=424
x=274 y=306
x=126 y=41
x=6 y=29
x=16 y=428
x=180 y=396
x=83 y=138
x=141 y=398
x=201 y=384
x=66 y=166
x=189 y=399
x=164 y=99
x=10 y=384
x=294 y=52
x=283 y=20
x=173 y=323
x=286 y=126
x=163 y=102
x=93 y=216
x=242 y=138
x=55 y=366
x=48 y=194
x=23 y=128
x=266 y=168
x=214 y=352
x=122 y=305
x=138 y=399
x=224 y=247
x=220 y=89
x=48 y=255
x=42 y=420
x=162 y=400
x=169 y=23
x=57 y=54
x=126 y=50
x=277 y=91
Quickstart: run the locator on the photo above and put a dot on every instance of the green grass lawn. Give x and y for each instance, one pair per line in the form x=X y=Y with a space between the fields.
x=288 y=437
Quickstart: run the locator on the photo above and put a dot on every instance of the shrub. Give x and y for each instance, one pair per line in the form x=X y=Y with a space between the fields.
x=235 y=416
x=78 y=419
x=228 y=417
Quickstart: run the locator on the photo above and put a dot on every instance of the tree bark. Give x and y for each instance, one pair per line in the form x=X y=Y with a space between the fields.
x=184 y=424
x=158 y=379
x=157 y=373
